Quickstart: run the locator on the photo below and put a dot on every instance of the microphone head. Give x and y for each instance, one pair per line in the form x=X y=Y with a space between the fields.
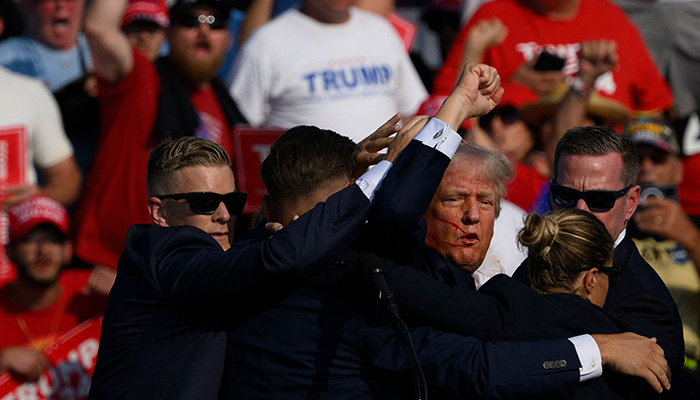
x=369 y=263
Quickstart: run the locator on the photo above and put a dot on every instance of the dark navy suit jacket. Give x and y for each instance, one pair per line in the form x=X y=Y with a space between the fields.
x=163 y=335
x=640 y=292
x=505 y=309
x=322 y=341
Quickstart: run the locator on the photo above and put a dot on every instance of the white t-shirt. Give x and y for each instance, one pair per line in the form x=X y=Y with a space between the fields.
x=348 y=77
x=27 y=106
x=504 y=244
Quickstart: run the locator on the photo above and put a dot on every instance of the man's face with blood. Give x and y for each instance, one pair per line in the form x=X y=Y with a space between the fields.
x=461 y=216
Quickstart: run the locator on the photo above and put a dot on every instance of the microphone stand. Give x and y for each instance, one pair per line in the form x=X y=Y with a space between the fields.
x=376 y=274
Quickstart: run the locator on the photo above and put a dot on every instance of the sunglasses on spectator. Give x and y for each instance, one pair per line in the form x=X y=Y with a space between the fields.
x=508 y=115
x=44 y=237
x=193 y=21
x=208 y=202
x=596 y=200
x=655 y=155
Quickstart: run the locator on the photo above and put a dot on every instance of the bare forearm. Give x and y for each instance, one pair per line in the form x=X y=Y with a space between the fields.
x=111 y=51
x=570 y=113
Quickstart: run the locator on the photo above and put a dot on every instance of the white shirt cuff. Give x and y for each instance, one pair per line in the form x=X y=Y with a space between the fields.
x=589 y=356
x=370 y=180
x=440 y=136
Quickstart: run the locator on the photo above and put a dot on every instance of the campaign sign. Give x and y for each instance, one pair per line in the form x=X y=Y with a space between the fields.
x=252 y=146
x=13 y=144
x=406 y=29
x=72 y=358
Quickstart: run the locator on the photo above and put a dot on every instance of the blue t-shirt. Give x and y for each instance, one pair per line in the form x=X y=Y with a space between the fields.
x=56 y=68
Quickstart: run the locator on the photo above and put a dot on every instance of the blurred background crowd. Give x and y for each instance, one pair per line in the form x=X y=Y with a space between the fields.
x=88 y=87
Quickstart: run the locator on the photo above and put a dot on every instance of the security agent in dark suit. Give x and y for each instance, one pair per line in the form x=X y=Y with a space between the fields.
x=163 y=335
x=468 y=196
x=321 y=342
x=595 y=170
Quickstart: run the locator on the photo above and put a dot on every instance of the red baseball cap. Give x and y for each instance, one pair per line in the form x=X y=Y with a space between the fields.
x=147 y=10
x=34 y=211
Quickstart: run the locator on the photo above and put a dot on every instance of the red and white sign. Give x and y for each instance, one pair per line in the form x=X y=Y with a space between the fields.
x=406 y=29
x=252 y=146
x=72 y=357
x=13 y=145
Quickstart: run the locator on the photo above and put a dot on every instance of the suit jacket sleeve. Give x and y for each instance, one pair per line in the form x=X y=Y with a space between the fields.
x=463 y=367
x=192 y=271
x=395 y=228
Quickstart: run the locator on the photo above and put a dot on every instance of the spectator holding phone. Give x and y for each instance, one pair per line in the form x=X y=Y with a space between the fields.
x=561 y=27
x=665 y=235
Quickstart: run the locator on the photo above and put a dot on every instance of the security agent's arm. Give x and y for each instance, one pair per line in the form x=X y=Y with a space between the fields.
x=455 y=309
x=193 y=272
x=462 y=367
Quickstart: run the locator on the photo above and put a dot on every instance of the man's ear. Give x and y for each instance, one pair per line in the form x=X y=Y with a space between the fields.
x=631 y=202
x=157 y=212
x=591 y=280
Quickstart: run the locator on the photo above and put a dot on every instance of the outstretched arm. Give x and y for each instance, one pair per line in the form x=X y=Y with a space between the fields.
x=595 y=59
x=111 y=51
x=478 y=91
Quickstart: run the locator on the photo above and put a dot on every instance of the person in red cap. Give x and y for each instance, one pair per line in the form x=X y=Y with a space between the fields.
x=44 y=301
x=144 y=24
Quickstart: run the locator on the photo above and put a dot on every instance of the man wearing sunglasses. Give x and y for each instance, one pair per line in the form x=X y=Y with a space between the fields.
x=178 y=287
x=595 y=169
x=143 y=103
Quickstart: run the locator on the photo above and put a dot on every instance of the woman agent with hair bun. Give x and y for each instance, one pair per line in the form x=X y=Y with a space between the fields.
x=569 y=251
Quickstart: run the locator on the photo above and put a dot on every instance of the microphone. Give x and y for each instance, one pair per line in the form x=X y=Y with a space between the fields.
x=371 y=267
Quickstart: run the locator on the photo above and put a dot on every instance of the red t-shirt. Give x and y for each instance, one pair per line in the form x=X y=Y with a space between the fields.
x=72 y=308
x=115 y=196
x=213 y=125
x=525 y=187
x=636 y=83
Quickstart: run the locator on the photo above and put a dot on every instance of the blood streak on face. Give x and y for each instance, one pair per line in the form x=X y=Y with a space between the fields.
x=461 y=216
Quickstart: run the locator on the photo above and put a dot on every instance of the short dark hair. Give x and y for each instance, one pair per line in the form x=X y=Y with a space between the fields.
x=599 y=141
x=184 y=152
x=304 y=158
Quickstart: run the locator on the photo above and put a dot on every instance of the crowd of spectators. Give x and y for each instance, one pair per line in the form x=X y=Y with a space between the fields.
x=89 y=87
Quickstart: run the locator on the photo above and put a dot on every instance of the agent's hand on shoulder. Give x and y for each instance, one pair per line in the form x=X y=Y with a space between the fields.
x=632 y=354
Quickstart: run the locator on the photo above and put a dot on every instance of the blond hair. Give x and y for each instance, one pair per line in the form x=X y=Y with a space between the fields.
x=561 y=242
x=180 y=153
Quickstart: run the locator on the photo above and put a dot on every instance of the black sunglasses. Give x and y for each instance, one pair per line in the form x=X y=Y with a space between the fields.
x=655 y=155
x=193 y=21
x=596 y=200
x=508 y=115
x=208 y=202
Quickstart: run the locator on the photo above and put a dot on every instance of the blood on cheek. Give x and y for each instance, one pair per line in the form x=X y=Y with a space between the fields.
x=454 y=225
